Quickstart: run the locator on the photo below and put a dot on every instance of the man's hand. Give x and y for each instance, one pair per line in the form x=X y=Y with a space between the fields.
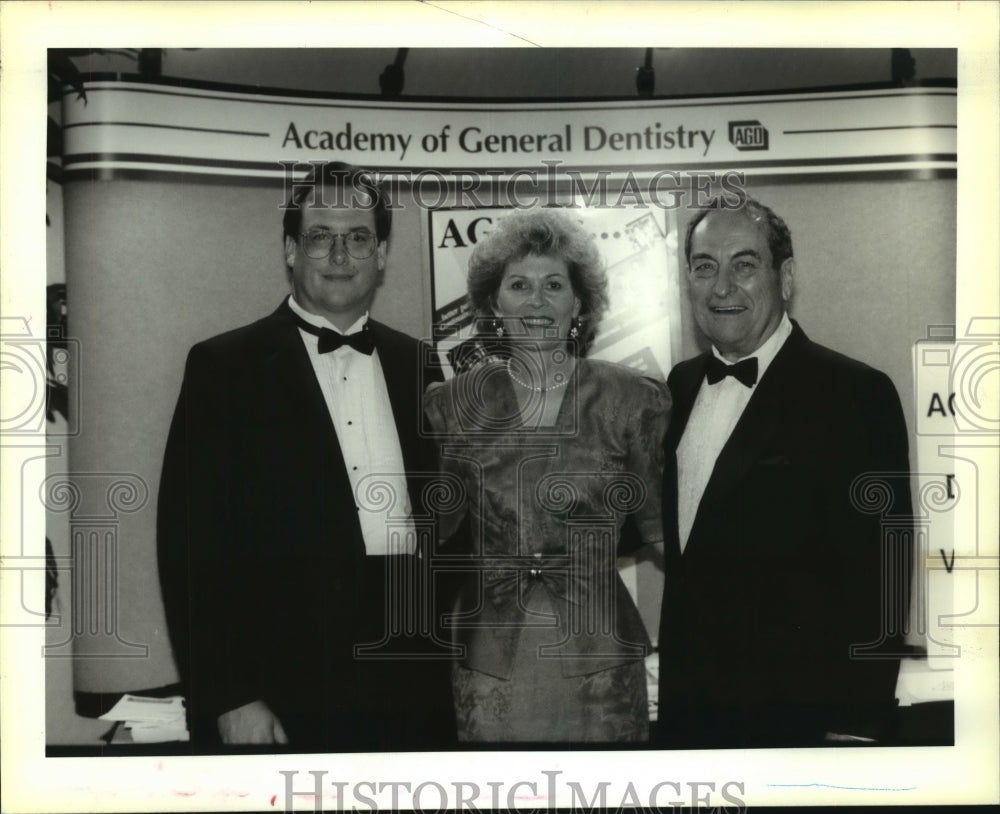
x=251 y=723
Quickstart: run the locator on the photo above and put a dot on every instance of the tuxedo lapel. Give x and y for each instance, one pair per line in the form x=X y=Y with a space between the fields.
x=752 y=434
x=286 y=368
x=684 y=390
x=684 y=382
x=288 y=381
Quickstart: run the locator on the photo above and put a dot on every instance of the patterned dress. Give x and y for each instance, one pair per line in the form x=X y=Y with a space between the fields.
x=552 y=645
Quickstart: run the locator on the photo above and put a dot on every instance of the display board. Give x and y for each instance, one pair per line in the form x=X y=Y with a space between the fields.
x=202 y=173
x=137 y=127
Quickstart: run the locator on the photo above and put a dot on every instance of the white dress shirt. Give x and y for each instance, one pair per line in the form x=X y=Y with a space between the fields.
x=716 y=411
x=355 y=392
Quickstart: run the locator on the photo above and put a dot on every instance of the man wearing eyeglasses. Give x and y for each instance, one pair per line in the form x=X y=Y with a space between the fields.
x=787 y=563
x=288 y=552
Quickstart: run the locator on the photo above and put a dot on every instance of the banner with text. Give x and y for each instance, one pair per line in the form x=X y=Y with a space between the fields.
x=132 y=127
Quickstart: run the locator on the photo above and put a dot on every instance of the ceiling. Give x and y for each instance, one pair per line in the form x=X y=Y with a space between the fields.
x=532 y=72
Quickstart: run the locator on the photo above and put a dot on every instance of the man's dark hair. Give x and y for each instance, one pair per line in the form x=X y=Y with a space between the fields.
x=334 y=183
x=779 y=238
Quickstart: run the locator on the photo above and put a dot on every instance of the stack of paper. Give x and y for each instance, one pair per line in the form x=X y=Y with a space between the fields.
x=653 y=684
x=150 y=720
x=920 y=683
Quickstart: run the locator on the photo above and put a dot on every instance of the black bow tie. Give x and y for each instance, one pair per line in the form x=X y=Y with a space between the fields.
x=745 y=371
x=362 y=341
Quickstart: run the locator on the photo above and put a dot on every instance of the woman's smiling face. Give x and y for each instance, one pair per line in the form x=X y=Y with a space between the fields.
x=537 y=289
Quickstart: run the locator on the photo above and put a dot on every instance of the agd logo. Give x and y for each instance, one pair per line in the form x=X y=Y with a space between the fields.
x=748 y=135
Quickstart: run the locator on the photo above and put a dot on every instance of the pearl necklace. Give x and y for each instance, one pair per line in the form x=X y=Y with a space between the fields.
x=533 y=388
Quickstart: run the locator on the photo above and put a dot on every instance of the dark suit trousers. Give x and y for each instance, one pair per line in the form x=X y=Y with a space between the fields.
x=385 y=684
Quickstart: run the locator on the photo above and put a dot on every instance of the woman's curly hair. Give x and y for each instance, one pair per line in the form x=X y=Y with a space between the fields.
x=546 y=233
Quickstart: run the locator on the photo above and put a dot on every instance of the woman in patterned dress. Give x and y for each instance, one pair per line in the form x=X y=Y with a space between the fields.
x=551 y=454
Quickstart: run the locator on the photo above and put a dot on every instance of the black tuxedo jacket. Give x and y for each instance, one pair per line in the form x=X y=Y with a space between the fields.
x=262 y=560
x=785 y=569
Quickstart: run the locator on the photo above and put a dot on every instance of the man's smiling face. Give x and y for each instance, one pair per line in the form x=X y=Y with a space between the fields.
x=737 y=295
x=339 y=287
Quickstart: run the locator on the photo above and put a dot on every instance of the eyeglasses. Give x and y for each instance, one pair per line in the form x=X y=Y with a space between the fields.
x=359 y=243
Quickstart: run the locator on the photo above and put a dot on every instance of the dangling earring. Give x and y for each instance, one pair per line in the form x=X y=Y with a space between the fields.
x=574 y=328
x=496 y=325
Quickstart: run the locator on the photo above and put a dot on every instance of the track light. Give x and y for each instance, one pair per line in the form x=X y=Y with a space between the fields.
x=645 y=79
x=392 y=79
